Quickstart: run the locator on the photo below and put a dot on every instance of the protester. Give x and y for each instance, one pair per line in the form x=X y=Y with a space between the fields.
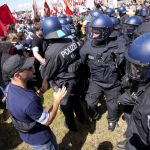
x=25 y=107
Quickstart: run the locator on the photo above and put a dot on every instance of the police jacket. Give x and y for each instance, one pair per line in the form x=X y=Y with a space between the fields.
x=143 y=28
x=128 y=39
x=140 y=118
x=62 y=60
x=104 y=61
x=123 y=18
x=122 y=21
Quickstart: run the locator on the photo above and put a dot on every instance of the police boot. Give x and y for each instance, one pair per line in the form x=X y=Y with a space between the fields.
x=121 y=144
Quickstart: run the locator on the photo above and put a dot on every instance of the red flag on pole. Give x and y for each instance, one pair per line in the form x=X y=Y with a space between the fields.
x=6 y=16
x=47 y=11
x=3 y=29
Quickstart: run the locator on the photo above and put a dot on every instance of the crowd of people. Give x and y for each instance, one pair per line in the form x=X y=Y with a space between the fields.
x=98 y=55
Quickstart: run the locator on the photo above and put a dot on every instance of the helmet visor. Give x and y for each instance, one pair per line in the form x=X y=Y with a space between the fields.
x=129 y=29
x=96 y=33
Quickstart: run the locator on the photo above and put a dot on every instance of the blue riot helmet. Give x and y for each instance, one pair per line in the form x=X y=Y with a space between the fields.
x=63 y=21
x=138 y=58
x=144 y=12
x=101 y=28
x=95 y=12
x=134 y=20
x=110 y=12
x=71 y=24
x=65 y=26
x=69 y=20
x=132 y=23
x=122 y=10
x=52 y=28
x=115 y=21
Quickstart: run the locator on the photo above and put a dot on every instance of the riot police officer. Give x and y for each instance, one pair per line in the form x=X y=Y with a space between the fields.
x=92 y=14
x=131 y=24
x=138 y=62
x=103 y=57
x=110 y=12
x=62 y=66
x=123 y=16
x=145 y=27
x=116 y=27
x=122 y=13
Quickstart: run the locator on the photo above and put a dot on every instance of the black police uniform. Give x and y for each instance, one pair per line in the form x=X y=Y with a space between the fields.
x=128 y=38
x=103 y=62
x=123 y=18
x=128 y=98
x=122 y=21
x=144 y=28
x=62 y=66
x=138 y=132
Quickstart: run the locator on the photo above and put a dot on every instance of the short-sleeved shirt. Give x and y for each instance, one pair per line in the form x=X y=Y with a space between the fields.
x=37 y=45
x=26 y=106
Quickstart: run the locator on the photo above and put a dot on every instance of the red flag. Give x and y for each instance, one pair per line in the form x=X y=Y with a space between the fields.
x=67 y=10
x=6 y=16
x=3 y=29
x=47 y=11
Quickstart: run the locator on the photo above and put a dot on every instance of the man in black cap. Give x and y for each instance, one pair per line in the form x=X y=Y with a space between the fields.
x=28 y=115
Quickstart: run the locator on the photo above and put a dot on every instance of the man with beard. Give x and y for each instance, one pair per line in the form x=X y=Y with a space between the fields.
x=25 y=106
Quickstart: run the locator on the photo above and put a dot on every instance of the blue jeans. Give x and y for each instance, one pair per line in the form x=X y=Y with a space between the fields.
x=51 y=145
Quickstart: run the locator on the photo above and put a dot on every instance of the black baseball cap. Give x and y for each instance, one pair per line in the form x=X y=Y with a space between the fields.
x=17 y=63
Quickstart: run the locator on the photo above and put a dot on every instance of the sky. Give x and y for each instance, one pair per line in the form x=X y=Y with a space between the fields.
x=18 y=5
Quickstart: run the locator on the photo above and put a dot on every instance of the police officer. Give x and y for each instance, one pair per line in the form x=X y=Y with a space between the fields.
x=123 y=16
x=62 y=66
x=145 y=27
x=103 y=56
x=92 y=14
x=122 y=13
x=116 y=27
x=110 y=12
x=137 y=56
x=131 y=24
x=72 y=27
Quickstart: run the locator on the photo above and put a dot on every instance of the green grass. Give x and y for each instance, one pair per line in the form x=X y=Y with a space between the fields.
x=90 y=137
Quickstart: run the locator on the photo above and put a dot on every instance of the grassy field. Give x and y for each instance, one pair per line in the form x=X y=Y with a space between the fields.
x=90 y=136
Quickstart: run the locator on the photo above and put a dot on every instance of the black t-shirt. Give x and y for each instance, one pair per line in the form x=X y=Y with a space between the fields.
x=38 y=42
